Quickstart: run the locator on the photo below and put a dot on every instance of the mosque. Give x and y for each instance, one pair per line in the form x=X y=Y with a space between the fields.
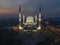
x=30 y=23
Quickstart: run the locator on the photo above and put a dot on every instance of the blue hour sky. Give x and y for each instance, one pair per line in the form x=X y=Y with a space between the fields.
x=50 y=8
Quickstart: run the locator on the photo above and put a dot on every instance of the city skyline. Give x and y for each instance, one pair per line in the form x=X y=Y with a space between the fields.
x=50 y=8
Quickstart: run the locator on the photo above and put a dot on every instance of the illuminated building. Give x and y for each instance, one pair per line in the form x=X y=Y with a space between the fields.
x=30 y=22
x=30 y=19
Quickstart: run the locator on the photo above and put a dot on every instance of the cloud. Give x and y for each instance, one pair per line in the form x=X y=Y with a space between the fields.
x=5 y=11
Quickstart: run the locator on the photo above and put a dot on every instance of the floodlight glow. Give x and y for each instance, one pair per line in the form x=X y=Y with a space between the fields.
x=20 y=27
x=39 y=19
x=39 y=28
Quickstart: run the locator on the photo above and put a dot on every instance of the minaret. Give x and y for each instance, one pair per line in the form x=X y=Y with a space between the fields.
x=40 y=14
x=20 y=15
x=36 y=18
x=19 y=8
x=39 y=18
x=23 y=18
